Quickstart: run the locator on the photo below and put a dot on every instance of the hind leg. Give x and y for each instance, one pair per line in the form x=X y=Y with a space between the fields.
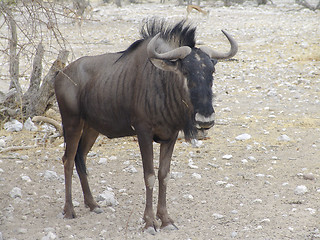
x=88 y=138
x=72 y=133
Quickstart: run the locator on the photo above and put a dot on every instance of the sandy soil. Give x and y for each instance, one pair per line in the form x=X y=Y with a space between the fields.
x=264 y=187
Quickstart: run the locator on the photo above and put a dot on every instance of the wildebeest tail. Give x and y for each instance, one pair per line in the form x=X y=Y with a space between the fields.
x=79 y=160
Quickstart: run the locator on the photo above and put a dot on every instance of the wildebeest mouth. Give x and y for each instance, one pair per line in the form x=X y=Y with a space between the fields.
x=204 y=123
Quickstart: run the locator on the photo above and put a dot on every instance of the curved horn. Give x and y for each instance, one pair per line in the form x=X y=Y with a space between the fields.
x=217 y=55
x=178 y=53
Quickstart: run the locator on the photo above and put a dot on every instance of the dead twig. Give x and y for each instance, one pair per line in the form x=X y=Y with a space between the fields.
x=16 y=148
x=50 y=121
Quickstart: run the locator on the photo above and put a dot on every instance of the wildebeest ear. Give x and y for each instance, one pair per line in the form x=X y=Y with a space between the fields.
x=165 y=65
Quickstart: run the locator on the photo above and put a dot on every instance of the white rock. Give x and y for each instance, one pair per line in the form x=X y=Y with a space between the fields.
x=16 y=193
x=266 y=220
x=311 y=210
x=112 y=158
x=227 y=156
x=244 y=161
x=108 y=198
x=217 y=216
x=196 y=175
x=196 y=143
x=22 y=230
x=191 y=164
x=188 y=196
x=176 y=175
x=284 y=138
x=130 y=169
x=49 y=236
x=219 y=183
x=229 y=185
x=301 y=189
x=308 y=176
x=13 y=126
x=26 y=178
x=257 y=200
x=243 y=137
x=2 y=143
x=50 y=175
x=102 y=161
x=1 y=238
x=29 y=125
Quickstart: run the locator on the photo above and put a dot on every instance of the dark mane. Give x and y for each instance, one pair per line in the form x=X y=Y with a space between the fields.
x=180 y=34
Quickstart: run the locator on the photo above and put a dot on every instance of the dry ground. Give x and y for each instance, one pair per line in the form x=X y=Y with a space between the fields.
x=224 y=189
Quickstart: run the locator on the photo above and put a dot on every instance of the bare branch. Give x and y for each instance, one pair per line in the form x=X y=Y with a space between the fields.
x=305 y=4
x=50 y=121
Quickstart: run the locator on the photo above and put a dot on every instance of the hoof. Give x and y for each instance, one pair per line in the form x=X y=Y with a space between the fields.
x=170 y=227
x=150 y=230
x=97 y=210
x=69 y=215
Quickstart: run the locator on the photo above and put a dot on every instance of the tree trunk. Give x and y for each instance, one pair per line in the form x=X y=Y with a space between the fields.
x=305 y=4
x=44 y=97
x=262 y=2
x=14 y=57
x=35 y=78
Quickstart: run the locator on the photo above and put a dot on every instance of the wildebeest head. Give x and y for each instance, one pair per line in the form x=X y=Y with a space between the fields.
x=174 y=50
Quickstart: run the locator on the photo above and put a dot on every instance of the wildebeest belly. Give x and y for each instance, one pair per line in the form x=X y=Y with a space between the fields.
x=112 y=128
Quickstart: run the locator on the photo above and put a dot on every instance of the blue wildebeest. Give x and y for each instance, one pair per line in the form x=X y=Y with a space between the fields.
x=160 y=85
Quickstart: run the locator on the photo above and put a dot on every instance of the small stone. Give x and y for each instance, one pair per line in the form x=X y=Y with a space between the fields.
x=130 y=169
x=108 y=198
x=13 y=126
x=244 y=161
x=191 y=164
x=176 y=175
x=229 y=185
x=49 y=236
x=16 y=193
x=311 y=210
x=243 y=137
x=112 y=158
x=50 y=175
x=217 y=216
x=300 y=190
x=219 y=183
x=102 y=161
x=188 y=196
x=284 y=138
x=196 y=143
x=2 y=143
x=227 y=156
x=196 y=175
x=22 y=230
x=29 y=125
x=266 y=220
x=257 y=200
x=25 y=178
x=308 y=176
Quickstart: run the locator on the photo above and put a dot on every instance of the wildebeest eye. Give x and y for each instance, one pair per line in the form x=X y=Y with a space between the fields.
x=191 y=84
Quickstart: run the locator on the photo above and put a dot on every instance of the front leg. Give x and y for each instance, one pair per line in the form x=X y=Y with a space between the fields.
x=166 y=150
x=146 y=149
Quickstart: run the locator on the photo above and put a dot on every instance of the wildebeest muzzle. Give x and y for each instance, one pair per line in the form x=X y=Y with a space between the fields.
x=203 y=122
